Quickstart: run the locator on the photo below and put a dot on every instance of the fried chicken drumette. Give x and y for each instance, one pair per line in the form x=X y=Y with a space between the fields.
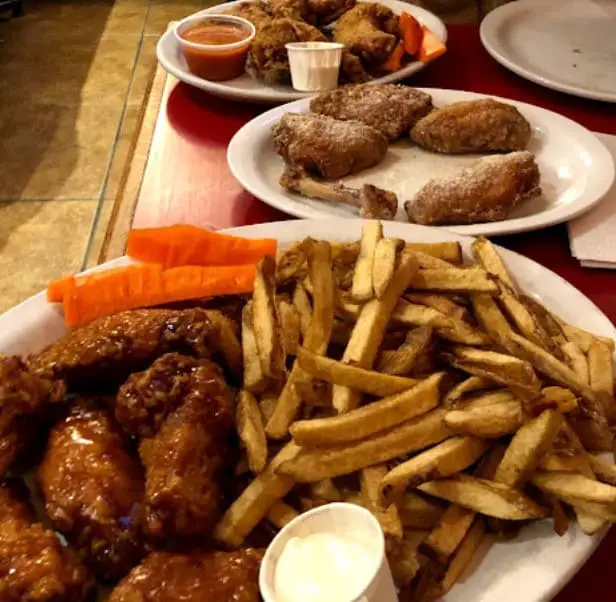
x=328 y=147
x=473 y=126
x=389 y=108
x=327 y=11
x=368 y=30
x=254 y=12
x=92 y=487
x=194 y=577
x=34 y=566
x=485 y=191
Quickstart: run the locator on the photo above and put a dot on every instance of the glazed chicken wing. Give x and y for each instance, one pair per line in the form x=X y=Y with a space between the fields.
x=92 y=487
x=389 y=108
x=485 y=191
x=34 y=566
x=473 y=126
x=195 y=577
x=368 y=30
x=326 y=146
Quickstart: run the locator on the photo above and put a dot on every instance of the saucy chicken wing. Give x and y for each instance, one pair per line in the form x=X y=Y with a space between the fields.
x=24 y=397
x=327 y=147
x=473 y=126
x=194 y=577
x=92 y=487
x=34 y=566
x=389 y=108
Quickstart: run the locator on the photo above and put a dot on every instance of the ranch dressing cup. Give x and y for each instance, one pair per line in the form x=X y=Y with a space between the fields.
x=334 y=553
x=314 y=65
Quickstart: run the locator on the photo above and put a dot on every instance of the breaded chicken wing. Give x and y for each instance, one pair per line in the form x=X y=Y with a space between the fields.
x=291 y=9
x=486 y=191
x=473 y=126
x=24 y=400
x=352 y=70
x=327 y=11
x=92 y=487
x=256 y=13
x=194 y=577
x=326 y=146
x=107 y=350
x=34 y=566
x=389 y=108
x=368 y=30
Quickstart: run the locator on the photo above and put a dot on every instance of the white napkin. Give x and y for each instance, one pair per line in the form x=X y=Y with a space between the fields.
x=592 y=236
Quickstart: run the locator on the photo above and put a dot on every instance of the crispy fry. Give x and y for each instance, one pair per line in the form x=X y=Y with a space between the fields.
x=417 y=511
x=490 y=421
x=402 y=360
x=559 y=398
x=553 y=462
x=448 y=533
x=441 y=303
x=576 y=488
x=387 y=516
x=290 y=324
x=486 y=497
x=280 y=514
x=560 y=518
x=254 y=378
x=302 y=304
x=594 y=434
x=291 y=263
x=487 y=256
x=454 y=280
x=449 y=251
x=314 y=464
x=601 y=376
x=469 y=385
x=250 y=430
x=326 y=490
x=267 y=404
x=362 y=288
x=593 y=518
x=369 y=419
x=385 y=256
x=370 y=328
x=582 y=338
x=576 y=360
x=604 y=470
x=491 y=318
x=348 y=375
x=463 y=556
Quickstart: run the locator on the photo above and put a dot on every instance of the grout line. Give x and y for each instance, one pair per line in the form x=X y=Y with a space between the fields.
x=103 y=191
x=49 y=200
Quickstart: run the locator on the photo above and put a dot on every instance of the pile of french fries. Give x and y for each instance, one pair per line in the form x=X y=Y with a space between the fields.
x=434 y=393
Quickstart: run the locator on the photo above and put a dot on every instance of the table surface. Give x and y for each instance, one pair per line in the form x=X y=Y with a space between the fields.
x=186 y=180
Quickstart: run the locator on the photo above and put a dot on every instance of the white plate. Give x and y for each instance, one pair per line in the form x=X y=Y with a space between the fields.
x=247 y=89
x=576 y=169
x=567 y=45
x=533 y=566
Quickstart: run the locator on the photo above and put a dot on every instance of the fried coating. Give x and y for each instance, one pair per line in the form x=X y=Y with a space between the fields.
x=198 y=576
x=328 y=147
x=368 y=30
x=34 y=566
x=92 y=487
x=327 y=11
x=256 y=13
x=291 y=9
x=473 y=126
x=352 y=70
x=184 y=461
x=485 y=191
x=24 y=398
x=389 y=108
x=267 y=57
x=107 y=350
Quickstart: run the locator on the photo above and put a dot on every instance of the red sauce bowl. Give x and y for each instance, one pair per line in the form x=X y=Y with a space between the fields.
x=215 y=46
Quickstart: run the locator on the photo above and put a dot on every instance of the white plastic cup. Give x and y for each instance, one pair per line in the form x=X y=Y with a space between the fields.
x=377 y=585
x=314 y=65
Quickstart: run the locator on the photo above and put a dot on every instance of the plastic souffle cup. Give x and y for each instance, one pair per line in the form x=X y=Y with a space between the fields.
x=314 y=65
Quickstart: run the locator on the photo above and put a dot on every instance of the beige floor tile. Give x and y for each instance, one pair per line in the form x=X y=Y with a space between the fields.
x=144 y=70
x=41 y=240
x=99 y=229
x=163 y=11
x=55 y=152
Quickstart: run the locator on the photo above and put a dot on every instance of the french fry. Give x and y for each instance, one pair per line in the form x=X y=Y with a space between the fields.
x=580 y=337
x=266 y=322
x=603 y=469
x=593 y=433
x=291 y=263
x=441 y=303
x=226 y=340
x=489 y=421
x=553 y=462
x=402 y=558
x=290 y=324
x=387 y=516
x=254 y=377
x=575 y=489
x=593 y=517
x=302 y=304
x=351 y=376
x=385 y=256
x=488 y=257
x=449 y=251
x=369 y=419
x=448 y=533
x=485 y=497
x=560 y=518
x=362 y=288
x=267 y=404
x=601 y=376
x=558 y=398
x=469 y=385
x=314 y=464
x=464 y=555
x=326 y=490
x=417 y=511
x=369 y=330
x=402 y=360
x=250 y=430
x=454 y=280
x=576 y=360
x=280 y=514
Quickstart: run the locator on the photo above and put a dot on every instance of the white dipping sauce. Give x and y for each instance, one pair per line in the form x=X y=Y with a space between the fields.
x=323 y=567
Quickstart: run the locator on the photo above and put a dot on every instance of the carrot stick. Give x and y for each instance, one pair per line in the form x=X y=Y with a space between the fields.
x=127 y=288
x=188 y=245
x=394 y=62
x=412 y=33
x=56 y=289
x=431 y=47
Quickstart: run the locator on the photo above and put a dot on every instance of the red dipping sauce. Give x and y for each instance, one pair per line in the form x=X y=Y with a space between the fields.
x=215 y=46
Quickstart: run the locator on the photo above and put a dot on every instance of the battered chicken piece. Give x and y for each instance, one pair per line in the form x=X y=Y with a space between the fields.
x=389 y=108
x=291 y=9
x=327 y=11
x=473 y=126
x=368 y=30
x=24 y=399
x=351 y=69
x=256 y=13
x=328 y=147
x=92 y=487
x=107 y=350
x=34 y=566
x=184 y=460
x=267 y=56
x=486 y=191
x=194 y=577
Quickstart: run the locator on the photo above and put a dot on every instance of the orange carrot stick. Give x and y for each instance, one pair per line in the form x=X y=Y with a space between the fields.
x=431 y=47
x=411 y=32
x=394 y=62
x=188 y=245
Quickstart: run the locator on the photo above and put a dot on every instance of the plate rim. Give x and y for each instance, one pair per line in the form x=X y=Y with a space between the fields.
x=254 y=96
x=488 y=29
x=606 y=170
